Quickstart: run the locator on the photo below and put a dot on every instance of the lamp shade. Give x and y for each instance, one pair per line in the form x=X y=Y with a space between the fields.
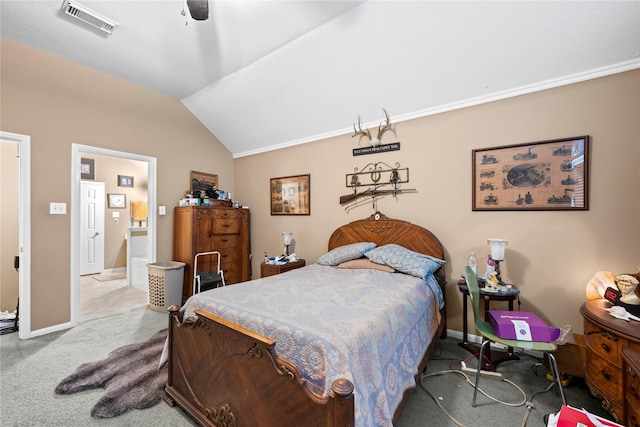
x=139 y=210
x=497 y=248
x=287 y=237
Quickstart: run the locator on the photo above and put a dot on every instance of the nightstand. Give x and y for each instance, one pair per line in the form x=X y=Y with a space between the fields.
x=272 y=269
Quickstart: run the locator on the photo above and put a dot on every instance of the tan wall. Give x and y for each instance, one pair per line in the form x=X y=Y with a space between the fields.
x=9 y=211
x=551 y=255
x=58 y=103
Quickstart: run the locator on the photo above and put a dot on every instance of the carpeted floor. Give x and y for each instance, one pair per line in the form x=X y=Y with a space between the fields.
x=31 y=369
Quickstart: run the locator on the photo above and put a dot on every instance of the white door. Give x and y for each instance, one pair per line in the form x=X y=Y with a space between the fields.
x=91 y=227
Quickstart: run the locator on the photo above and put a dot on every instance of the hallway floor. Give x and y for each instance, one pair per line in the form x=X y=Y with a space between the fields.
x=104 y=298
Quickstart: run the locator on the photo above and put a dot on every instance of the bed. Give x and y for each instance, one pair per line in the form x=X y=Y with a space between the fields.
x=231 y=364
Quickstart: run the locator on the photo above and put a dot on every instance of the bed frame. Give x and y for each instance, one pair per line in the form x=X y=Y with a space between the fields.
x=224 y=375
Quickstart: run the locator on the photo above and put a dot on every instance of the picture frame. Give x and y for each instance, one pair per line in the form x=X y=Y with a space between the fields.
x=87 y=169
x=543 y=175
x=291 y=195
x=203 y=181
x=116 y=201
x=125 y=181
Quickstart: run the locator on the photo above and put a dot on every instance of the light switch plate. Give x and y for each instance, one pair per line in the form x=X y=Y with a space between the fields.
x=162 y=210
x=57 y=208
x=115 y=214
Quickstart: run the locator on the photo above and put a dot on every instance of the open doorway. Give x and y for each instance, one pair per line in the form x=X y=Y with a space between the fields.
x=78 y=152
x=23 y=249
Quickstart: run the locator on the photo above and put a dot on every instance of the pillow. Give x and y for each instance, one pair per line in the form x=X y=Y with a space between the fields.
x=405 y=260
x=365 y=263
x=345 y=253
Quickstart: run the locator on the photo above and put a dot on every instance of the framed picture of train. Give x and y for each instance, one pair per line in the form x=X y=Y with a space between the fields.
x=544 y=175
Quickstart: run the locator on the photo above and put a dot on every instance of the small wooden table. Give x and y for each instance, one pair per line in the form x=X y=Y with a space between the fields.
x=509 y=295
x=267 y=269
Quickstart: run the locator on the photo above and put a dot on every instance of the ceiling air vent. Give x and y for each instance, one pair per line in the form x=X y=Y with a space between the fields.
x=87 y=15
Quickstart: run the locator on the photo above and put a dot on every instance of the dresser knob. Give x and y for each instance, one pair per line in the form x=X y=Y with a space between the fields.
x=605 y=374
x=606 y=347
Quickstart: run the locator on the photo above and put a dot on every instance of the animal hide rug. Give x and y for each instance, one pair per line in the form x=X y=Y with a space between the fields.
x=130 y=376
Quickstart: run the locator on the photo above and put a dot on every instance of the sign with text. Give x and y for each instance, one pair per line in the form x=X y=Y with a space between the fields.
x=395 y=146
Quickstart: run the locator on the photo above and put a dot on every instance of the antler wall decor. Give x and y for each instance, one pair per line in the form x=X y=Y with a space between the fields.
x=382 y=128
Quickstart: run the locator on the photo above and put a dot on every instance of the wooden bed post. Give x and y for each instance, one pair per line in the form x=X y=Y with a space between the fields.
x=344 y=408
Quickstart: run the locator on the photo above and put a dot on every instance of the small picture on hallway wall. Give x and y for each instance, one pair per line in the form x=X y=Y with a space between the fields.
x=87 y=170
x=116 y=201
x=125 y=181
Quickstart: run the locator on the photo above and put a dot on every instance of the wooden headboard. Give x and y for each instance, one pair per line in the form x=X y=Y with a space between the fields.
x=382 y=230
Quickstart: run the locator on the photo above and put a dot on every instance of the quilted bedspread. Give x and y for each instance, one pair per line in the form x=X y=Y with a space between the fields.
x=368 y=326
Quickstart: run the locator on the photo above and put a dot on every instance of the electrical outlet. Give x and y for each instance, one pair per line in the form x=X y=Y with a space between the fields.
x=162 y=210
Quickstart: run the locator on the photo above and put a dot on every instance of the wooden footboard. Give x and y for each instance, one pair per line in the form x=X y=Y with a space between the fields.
x=224 y=375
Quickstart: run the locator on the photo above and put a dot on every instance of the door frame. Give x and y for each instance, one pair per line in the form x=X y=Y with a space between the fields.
x=24 y=232
x=77 y=150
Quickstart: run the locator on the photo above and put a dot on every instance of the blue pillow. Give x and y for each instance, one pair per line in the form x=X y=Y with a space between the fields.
x=405 y=260
x=345 y=253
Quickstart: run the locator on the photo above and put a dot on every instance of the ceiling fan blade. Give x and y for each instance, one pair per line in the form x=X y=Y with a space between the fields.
x=199 y=9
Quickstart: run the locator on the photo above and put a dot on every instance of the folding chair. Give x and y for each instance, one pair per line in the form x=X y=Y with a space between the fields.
x=207 y=279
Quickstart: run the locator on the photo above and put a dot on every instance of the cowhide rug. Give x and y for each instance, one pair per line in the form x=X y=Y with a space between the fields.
x=129 y=375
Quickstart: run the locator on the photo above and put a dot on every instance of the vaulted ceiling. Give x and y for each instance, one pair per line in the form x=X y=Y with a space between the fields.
x=262 y=75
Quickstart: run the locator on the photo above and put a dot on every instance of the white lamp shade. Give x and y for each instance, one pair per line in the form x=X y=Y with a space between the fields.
x=287 y=237
x=497 y=248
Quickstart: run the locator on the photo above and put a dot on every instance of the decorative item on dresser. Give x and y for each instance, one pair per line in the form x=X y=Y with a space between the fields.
x=606 y=339
x=199 y=229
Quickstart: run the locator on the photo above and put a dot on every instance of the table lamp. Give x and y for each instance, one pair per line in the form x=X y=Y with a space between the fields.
x=287 y=241
x=497 y=254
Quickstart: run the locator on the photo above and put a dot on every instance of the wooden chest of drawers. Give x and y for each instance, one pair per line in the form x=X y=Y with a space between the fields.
x=631 y=360
x=606 y=338
x=198 y=229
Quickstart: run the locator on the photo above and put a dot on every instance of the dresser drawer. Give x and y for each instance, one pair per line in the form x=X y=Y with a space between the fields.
x=603 y=343
x=228 y=256
x=225 y=214
x=603 y=373
x=225 y=226
x=224 y=241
